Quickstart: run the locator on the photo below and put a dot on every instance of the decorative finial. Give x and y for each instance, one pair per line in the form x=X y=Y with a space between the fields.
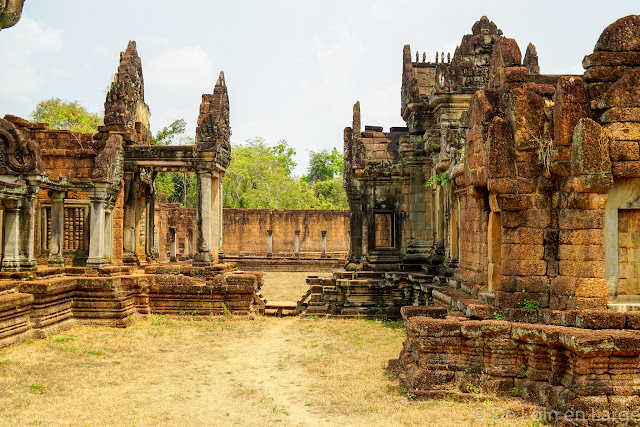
x=448 y=56
x=417 y=56
x=436 y=56
x=424 y=56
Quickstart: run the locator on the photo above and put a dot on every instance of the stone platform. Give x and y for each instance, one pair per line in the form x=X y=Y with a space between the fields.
x=582 y=367
x=33 y=305
x=288 y=262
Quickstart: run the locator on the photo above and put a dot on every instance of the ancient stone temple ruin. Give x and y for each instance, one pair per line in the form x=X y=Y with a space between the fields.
x=504 y=217
x=77 y=218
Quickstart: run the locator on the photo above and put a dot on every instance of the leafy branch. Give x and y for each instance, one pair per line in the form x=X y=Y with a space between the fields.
x=439 y=178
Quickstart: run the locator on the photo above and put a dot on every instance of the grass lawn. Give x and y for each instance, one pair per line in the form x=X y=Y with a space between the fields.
x=223 y=371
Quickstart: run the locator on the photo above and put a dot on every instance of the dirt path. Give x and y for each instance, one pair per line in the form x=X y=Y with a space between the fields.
x=219 y=371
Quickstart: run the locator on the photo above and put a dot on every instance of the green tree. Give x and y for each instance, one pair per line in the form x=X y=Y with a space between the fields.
x=65 y=115
x=330 y=194
x=324 y=165
x=259 y=177
x=167 y=134
x=285 y=154
x=178 y=187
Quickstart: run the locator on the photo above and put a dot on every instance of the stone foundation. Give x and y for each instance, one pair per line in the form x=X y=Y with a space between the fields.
x=586 y=374
x=365 y=293
x=35 y=308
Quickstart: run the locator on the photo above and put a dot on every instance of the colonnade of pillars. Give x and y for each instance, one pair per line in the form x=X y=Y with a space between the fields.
x=296 y=244
x=139 y=219
x=17 y=216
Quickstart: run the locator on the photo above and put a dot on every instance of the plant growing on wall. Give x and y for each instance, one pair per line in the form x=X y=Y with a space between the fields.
x=439 y=178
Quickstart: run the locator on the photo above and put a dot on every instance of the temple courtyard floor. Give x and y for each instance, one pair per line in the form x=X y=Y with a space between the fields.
x=227 y=371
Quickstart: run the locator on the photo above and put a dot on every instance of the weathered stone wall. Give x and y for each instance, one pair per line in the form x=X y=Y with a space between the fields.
x=170 y=219
x=245 y=231
x=566 y=370
x=56 y=299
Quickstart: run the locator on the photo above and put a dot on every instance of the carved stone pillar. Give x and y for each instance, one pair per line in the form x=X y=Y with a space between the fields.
x=96 y=236
x=11 y=251
x=27 y=233
x=216 y=217
x=296 y=244
x=221 y=219
x=172 y=245
x=129 y=238
x=269 y=243
x=150 y=249
x=107 y=253
x=324 y=244
x=204 y=256
x=56 y=242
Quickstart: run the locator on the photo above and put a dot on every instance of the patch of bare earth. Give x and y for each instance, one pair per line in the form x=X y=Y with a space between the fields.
x=287 y=285
x=222 y=371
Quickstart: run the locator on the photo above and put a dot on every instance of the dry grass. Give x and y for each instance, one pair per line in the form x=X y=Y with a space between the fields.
x=287 y=286
x=221 y=371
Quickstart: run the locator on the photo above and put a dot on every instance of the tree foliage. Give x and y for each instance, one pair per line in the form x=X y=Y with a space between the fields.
x=259 y=177
x=167 y=134
x=65 y=115
x=324 y=165
x=285 y=154
x=178 y=187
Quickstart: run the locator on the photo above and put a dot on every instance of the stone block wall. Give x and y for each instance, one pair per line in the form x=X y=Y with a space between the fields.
x=35 y=308
x=175 y=222
x=584 y=373
x=245 y=231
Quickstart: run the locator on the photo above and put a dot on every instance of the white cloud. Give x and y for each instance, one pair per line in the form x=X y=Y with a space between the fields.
x=174 y=82
x=380 y=104
x=186 y=67
x=31 y=37
x=338 y=60
x=21 y=79
x=575 y=69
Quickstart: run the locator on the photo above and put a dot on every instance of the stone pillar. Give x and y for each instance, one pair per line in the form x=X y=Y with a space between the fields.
x=107 y=253
x=221 y=216
x=172 y=245
x=355 y=226
x=204 y=256
x=156 y=244
x=296 y=244
x=269 y=243
x=129 y=238
x=27 y=233
x=324 y=244
x=96 y=230
x=216 y=216
x=11 y=251
x=56 y=256
x=150 y=227
x=190 y=243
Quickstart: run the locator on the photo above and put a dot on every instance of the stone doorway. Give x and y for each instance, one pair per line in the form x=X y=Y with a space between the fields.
x=621 y=238
x=628 y=252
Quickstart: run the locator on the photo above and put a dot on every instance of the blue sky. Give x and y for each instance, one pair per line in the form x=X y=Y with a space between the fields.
x=294 y=69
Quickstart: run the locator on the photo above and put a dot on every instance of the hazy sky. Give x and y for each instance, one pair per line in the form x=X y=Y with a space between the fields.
x=294 y=69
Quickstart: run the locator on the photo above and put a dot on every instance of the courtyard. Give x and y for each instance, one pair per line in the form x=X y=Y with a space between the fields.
x=222 y=370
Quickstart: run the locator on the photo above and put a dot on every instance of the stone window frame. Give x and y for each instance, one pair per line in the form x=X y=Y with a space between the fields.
x=625 y=194
x=394 y=229
x=42 y=248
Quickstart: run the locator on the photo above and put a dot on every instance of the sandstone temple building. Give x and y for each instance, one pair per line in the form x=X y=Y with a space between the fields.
x=81 y=207
x=503 y=224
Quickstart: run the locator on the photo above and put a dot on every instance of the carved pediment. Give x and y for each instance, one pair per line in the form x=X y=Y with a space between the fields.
x=18 y=155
